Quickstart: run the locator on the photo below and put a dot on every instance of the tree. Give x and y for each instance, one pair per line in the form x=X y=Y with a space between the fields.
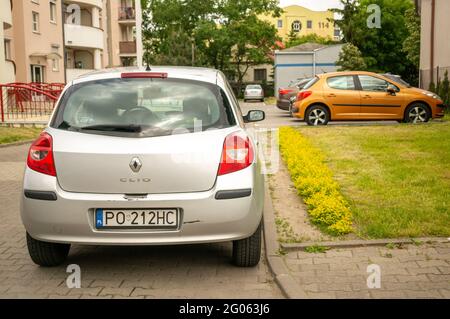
x=411 y=45
x=350 y=59
x=309 y=38
x=225 y=34
x=444 y=89
x=347 y=23
x=381 y=48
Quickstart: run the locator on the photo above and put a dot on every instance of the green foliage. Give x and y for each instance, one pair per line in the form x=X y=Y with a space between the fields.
x=411 y=45
x=444 y=89
x=309 y=38
x=226 y=34
x=350 y=59
x=316 y=249
x=382 y=48
x=432 y=87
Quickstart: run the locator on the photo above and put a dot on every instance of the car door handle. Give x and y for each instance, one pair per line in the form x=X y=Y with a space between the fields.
x=367 y=96
x=331 y=95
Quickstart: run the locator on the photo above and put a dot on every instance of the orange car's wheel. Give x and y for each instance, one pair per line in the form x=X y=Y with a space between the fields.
x=317 y=115
x=417 y=113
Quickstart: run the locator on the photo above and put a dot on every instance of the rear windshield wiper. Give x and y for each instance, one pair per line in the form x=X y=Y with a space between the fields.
x=114 y=128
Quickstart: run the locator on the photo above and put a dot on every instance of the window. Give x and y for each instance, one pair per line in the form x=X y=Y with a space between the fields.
x=337 y=32
x=296 y=26
x=309 y=24
x=260 y=75
x=150 y=105
x=7 y=49
x=53 y=11
x=370 y=83
x=280 y=24
x=35 y=21
x=55 y=64
x=341 y=82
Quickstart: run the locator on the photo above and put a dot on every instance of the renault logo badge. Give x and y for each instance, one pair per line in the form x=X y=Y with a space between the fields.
x=135 y=164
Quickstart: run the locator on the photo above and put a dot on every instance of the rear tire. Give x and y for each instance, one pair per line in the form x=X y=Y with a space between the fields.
x=47 y=254
x=417 y=113
x=317 y=115
x=247 y=251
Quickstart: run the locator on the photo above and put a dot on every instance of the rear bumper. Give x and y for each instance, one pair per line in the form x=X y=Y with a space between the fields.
x=253 y=97
x=70 y=218
x=283 y=105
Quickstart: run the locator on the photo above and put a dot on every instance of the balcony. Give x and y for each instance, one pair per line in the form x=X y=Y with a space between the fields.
x=90 y=3
x=127 y=15
x=83 y=36
x=127 y=48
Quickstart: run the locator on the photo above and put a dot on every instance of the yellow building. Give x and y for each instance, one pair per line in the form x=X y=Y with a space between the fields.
x=303 y=22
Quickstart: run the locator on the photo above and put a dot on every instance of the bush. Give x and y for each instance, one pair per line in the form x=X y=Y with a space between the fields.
x=314 y=182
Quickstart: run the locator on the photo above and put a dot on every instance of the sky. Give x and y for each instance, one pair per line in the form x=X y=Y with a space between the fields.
x=317 y=5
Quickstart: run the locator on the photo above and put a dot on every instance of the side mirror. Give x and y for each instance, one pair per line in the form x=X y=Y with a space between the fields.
x=392 y=90
x=254 y=116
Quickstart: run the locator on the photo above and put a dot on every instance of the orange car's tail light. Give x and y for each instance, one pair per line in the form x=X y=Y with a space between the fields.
x=303 y=95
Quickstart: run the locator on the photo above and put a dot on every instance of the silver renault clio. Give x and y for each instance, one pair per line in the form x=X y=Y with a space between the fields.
x=136 y=157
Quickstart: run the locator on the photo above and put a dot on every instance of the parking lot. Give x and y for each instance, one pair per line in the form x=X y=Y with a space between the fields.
x=195 y=271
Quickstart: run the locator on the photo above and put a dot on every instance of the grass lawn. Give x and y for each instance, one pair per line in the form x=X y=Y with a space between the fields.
x=396 y=178
x=15 y=134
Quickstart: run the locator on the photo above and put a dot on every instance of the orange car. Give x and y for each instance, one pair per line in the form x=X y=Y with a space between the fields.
x=364 y=96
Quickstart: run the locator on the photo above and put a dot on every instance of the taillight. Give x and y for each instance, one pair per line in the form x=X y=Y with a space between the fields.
x=284 y=91
x=303 y=95
x=237 y=154
x=40 y=156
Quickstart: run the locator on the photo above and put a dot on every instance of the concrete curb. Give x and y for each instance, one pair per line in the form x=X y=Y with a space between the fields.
x=364 y=243
x=287 y=284
x=16 y=143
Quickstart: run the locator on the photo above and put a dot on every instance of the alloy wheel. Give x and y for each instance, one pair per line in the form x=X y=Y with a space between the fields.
x=317 y=117
x=417 y=114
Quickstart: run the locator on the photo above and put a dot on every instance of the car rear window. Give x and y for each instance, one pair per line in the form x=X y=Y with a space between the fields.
x=143 y=107
x=311 y=83
x=253 y=87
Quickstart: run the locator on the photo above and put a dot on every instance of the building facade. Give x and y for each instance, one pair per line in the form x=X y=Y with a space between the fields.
x=58 y=40
x=302 y=21
x=7 y=67
x=435 y=41
x=304 y=61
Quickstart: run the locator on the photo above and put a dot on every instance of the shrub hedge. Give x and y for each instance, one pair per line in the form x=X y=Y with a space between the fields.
x=314 y=182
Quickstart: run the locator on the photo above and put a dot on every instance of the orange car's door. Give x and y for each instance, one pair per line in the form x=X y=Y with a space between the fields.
x=342 y=96
x=376 y=102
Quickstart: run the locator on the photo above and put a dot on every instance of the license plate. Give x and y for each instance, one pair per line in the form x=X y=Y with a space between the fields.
x=137 y=218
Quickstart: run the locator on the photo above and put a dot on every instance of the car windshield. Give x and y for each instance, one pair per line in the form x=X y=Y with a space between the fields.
x=253 y=87
x=397 y=79
x=143 y=107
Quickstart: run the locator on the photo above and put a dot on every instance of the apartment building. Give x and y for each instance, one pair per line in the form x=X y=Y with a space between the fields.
x=302 y=21
x=122 y=33
x=7 y=67
x=58 y=40
x=33 y=42
x=434 y=43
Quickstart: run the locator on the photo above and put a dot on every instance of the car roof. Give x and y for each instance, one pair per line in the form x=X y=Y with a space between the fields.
x=190 y=73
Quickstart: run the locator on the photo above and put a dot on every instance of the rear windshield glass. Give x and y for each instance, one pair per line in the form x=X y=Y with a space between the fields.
x=311 y=83
x=253 y=87
x=143 y=107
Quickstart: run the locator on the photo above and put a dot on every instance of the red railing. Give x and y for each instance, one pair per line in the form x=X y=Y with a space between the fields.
x=28 y=101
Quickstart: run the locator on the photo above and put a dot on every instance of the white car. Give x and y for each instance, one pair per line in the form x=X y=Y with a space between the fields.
x=254 y=92
x=135 y=157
